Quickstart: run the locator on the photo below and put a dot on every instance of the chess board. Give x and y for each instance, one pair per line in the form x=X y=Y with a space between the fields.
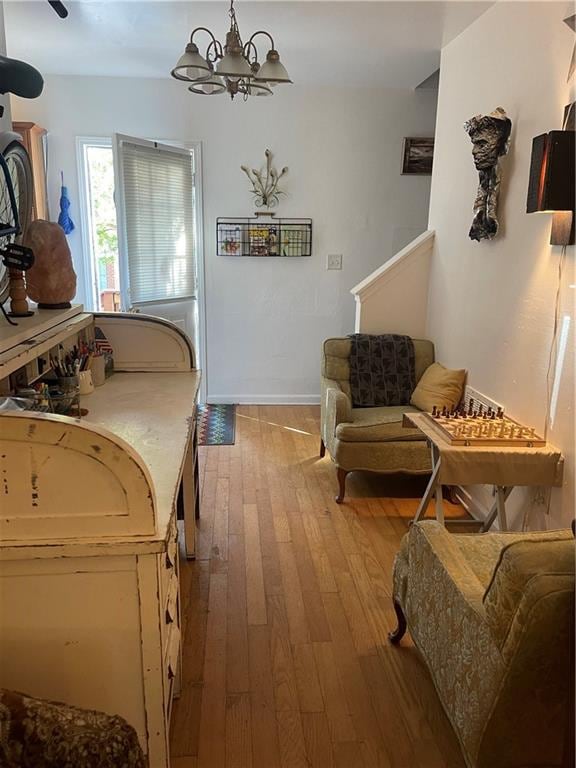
x=479 y=430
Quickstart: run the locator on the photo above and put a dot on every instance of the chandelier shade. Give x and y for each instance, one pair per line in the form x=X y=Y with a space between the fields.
x=234 y=66
x=273 y=71
x=259 y=89
x=230 y=68
x=191 y=66
x=211 y=87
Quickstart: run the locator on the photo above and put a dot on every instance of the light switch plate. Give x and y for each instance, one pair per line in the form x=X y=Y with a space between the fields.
x=334 y=261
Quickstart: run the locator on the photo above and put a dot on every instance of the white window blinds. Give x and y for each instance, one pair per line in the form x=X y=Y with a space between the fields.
x=161 y=249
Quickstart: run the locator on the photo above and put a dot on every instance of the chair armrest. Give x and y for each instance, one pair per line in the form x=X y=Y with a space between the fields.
x=337 y=407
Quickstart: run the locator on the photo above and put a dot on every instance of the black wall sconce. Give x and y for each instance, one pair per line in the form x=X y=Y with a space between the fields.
x=551 y=185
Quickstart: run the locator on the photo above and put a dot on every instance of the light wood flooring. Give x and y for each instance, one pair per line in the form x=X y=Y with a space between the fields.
x=286 y=662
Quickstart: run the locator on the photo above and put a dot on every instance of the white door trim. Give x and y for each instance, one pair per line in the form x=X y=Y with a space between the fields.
x=88 y=274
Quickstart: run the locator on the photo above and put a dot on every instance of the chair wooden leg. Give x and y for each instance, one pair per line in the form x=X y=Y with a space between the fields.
x=400 y=630
x=341 y=485
x=322 y=449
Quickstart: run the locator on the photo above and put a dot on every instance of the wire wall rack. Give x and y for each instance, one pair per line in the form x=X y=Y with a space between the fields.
x=259 y=237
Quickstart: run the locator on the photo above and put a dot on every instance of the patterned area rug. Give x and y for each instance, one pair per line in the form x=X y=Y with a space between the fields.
x=216 y=424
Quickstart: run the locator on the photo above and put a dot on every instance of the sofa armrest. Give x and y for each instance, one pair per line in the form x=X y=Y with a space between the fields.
x=442 y=603
x=431 y=536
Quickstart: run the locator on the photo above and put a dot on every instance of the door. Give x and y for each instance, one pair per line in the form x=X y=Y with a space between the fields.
x=157 y=204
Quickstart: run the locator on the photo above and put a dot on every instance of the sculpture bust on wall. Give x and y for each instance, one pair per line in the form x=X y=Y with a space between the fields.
x=490 y=135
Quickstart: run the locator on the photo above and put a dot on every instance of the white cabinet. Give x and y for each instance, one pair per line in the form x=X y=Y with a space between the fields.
x=89 y=589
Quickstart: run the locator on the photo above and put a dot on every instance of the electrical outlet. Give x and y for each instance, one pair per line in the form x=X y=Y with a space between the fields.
x=334 y=261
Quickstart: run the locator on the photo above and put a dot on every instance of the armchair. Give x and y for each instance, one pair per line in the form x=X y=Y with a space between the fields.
x=367 y=439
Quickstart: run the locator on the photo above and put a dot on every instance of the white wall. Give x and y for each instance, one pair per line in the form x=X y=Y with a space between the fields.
x=6 y=120
x=266 y=318
x=491 y=304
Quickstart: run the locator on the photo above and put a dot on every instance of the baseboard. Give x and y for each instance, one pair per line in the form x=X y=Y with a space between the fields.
x=265 y=399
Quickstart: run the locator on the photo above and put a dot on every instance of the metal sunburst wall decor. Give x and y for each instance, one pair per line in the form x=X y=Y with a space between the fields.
x=265 y=183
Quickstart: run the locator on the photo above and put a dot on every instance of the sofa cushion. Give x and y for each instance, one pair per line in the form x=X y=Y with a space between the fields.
x=377 y=425
x=484 y=550
x=481 y=552
x=438 y=386
x=521 y=576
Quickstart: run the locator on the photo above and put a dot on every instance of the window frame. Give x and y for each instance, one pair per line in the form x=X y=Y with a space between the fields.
x=88 y=260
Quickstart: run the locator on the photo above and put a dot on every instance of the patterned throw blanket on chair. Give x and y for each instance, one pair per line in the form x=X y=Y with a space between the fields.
x=382 y=370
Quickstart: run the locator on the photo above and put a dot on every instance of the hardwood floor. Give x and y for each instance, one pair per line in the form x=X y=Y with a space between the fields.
x=286 y=610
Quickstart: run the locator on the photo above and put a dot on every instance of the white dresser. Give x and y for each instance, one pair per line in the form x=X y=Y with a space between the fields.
x=89 y=591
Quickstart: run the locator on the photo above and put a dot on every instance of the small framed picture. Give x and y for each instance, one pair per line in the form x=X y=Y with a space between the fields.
x=418 y=155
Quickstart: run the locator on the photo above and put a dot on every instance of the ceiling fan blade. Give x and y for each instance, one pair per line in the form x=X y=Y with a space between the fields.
x=60 y=9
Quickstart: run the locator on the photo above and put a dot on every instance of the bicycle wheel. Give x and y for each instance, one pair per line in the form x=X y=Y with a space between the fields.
x=20 y=171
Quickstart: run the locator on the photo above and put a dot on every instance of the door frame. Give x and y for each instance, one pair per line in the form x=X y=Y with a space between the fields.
x=88 y=269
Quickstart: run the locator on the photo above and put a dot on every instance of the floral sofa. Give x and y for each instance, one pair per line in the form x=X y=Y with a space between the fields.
x=35 y=733
x=493 y=616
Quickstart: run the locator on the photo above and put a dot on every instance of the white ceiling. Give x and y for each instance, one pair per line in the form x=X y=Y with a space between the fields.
x=388 y=44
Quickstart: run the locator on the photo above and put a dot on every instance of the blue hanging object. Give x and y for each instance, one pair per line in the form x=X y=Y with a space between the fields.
x=64 y=218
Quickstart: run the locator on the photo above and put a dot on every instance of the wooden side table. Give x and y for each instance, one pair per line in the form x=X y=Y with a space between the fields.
x=502 y=466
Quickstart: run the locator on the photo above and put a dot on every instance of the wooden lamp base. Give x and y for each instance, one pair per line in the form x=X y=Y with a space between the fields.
x=18 y=298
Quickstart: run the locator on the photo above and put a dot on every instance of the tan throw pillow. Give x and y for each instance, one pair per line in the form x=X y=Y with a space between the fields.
x=438 y=386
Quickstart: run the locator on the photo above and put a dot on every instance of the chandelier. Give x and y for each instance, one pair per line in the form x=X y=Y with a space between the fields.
x=233 y=68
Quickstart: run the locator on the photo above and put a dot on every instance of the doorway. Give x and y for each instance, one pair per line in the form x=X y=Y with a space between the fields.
x=141 y=207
